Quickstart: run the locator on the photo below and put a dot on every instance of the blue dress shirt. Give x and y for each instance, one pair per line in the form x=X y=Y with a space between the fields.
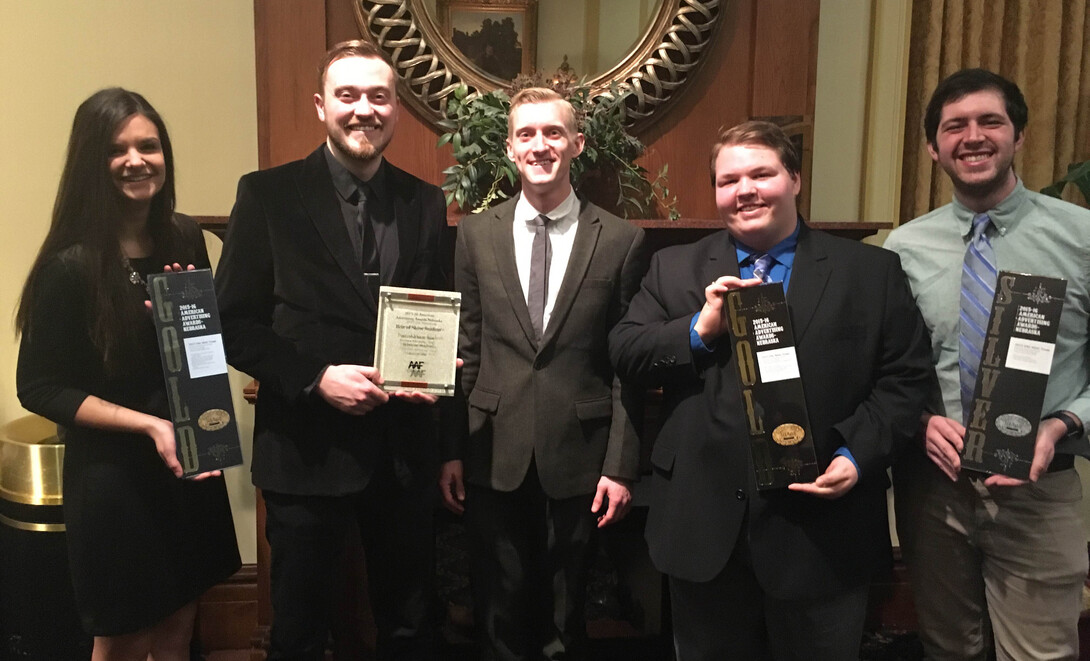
x=783 y=254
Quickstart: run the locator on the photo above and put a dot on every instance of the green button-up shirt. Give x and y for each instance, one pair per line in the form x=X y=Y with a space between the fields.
x=1032 y=233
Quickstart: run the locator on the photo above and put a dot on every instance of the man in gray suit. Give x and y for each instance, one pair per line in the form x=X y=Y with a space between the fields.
x=551 y=448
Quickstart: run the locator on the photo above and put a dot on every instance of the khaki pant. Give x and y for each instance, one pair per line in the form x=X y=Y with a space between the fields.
x=1002 y=561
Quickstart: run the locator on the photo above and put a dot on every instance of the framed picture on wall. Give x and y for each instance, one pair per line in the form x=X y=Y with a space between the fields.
x=499 y=37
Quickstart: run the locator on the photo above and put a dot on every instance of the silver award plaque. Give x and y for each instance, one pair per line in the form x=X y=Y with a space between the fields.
x=416 y=342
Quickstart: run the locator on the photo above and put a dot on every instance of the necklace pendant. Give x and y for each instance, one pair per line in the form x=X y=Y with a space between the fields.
x=134 y=275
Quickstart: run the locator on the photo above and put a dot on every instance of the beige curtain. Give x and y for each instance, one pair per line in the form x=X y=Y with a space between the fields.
x=1042 y=45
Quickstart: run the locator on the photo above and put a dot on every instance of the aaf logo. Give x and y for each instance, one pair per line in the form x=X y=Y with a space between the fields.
x=416 y=368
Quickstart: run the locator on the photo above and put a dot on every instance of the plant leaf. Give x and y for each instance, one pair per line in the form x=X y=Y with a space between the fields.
x=1078 y=174
x=475 y=126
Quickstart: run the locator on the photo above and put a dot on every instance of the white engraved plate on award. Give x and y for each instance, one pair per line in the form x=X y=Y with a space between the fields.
x=416 y=341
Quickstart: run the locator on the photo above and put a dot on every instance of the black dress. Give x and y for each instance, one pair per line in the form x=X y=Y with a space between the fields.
x=142 y=543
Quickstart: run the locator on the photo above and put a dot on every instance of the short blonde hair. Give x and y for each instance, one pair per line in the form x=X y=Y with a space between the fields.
x=541 y=95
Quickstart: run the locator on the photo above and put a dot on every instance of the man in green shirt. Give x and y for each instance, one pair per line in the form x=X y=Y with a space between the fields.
x=993 y=559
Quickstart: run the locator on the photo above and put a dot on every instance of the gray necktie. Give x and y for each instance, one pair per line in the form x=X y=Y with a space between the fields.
x=762 y=265
x=540 y=257
x=978 y=277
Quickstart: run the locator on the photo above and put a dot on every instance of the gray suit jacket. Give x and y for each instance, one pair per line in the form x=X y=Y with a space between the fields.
x=558 y=403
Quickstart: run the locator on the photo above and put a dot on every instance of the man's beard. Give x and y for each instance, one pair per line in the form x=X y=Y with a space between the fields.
x=364 y=151
x=986 y=188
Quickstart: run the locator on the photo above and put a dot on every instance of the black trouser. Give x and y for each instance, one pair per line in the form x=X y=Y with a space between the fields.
x=731 y=617
x=307 y=536
x=529 y=569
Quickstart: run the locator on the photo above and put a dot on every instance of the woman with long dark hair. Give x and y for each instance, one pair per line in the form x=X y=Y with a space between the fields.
x=143 y=543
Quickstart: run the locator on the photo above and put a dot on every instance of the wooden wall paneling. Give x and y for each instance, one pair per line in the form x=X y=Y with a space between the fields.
x=717 y=95
x=761 y=64
x=413 y=148
x=340 y=21
x=289 y=40
x=811 y=86
x=214 y=224
x=784 y=44
x=260 y=635
x=227 y=615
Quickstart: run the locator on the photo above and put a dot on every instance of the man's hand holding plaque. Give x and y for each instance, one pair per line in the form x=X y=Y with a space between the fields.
x=713 y=320
x=837 y=480
x=1049 y=432
x=944 y=439
x=352 y=388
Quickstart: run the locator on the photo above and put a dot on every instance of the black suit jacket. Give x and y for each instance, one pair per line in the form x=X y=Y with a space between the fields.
x=864 y=358
x=558 y=402
x=293 y=299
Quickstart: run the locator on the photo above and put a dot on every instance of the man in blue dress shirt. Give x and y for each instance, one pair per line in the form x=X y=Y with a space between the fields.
x=784 y=573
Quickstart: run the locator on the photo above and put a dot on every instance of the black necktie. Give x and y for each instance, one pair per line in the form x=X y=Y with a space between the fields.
x=366 y=233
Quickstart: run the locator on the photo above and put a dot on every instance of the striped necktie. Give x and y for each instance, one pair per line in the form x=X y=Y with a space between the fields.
x=762 y=266
x=978 y=277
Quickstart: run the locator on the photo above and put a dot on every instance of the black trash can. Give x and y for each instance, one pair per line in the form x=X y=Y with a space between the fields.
x=38 y=620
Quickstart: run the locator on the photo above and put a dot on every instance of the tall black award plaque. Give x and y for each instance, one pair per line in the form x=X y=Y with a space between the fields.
x=187 y=323
x=780 y=438
x=1010 y=384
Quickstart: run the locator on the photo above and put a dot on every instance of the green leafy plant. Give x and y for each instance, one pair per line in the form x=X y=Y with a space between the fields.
x=1078 y=174
x=606 y=172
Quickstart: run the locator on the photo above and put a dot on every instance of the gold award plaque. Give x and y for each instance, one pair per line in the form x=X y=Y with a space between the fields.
x=214 y=419
x=416 y=340
x=788 y=434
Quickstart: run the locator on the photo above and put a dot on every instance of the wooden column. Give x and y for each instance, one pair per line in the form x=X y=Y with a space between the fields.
x=289 y=39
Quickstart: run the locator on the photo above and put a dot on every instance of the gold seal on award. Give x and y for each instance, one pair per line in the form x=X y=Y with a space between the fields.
x=216 y=419
x=788 y=434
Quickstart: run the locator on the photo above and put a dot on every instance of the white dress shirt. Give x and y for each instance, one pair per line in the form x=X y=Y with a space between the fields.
x=563 y=222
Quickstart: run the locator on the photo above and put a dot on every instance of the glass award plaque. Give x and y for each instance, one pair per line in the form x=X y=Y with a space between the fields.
x=416 y=341
x=1001 y=429
x=763 y=343
x=187 y=323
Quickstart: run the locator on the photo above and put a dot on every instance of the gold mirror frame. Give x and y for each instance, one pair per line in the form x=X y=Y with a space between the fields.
x=430 y=68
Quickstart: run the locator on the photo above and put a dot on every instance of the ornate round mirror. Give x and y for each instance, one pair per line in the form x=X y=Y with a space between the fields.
x=649 y=47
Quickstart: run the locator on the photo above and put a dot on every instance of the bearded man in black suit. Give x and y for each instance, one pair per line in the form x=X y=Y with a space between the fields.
x=772 y=574
x=307 y=245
